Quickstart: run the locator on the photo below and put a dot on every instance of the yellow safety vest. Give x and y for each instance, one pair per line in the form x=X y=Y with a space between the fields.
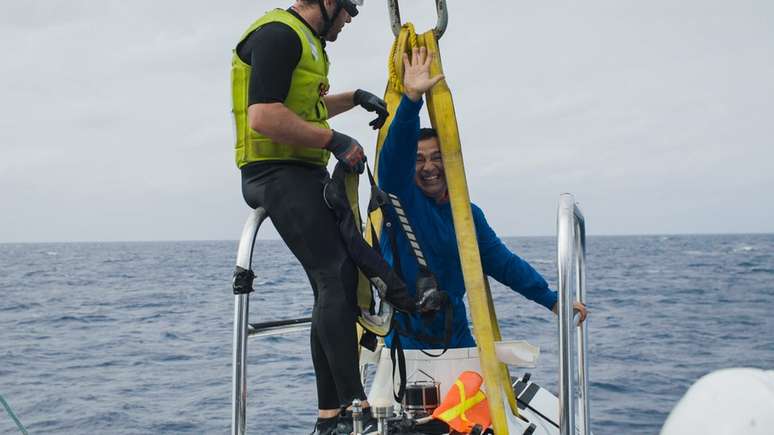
x=308 y=85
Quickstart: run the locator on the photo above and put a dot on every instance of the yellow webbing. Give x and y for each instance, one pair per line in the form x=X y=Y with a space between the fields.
x=505 y=374
x=442 y=116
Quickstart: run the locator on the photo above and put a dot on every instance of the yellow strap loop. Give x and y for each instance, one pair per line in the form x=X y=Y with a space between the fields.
x=407 y=39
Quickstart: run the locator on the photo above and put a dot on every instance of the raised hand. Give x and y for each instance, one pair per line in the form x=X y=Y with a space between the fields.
x=416 y=77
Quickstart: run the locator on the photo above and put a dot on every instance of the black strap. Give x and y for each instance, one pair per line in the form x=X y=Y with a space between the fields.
x=369 y=341
x=328 y=20
x=396 y=352
x=380 y=201
x=370 y=176
x=391 y=232
x=243 y=281
x=447 y=327
x=445 y=341
x=394 y=247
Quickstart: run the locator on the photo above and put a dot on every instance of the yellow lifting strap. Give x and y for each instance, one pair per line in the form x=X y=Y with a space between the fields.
x=442 y=116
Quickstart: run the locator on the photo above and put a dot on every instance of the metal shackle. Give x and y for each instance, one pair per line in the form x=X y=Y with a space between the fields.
x=440 y=26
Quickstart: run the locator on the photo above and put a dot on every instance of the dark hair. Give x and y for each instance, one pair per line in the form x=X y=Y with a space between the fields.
x=427 y=133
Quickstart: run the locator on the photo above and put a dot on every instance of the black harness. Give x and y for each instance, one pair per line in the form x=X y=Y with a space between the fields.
x=426 y=283
x=429 y=299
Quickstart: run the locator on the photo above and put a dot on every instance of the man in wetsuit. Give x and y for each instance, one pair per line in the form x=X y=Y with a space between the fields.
x=411 y=167
x=281 y=107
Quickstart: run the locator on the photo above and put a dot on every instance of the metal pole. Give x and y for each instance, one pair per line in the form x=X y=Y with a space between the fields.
x=239 y=399
x=565 y=255
x=241 y=311
x=582 y=331
x=357 y=417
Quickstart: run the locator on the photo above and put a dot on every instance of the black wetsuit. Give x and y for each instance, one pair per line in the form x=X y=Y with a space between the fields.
x=292 y=194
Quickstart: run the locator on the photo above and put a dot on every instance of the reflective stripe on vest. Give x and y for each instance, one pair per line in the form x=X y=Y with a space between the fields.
x=309 y=84
x=461 y=412
x=464 y=405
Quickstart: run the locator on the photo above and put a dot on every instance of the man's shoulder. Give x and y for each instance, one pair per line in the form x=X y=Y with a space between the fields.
x=477 y=212
x=275 y=30
x=276 y=36
x=482 y=226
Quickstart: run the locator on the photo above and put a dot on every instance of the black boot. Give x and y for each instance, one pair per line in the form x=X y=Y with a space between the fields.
x=325 y=426
x=345 y=426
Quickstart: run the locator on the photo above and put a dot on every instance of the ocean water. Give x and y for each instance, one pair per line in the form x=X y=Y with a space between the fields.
x=136 y=338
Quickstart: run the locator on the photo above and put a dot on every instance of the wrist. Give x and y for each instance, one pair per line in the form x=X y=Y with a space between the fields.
x=413 y=95
x=357 y=96
x=329 y=136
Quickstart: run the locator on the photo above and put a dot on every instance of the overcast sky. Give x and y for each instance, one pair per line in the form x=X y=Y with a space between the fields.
x=658 y=115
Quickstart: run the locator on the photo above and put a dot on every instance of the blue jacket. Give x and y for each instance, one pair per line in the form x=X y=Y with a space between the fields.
x=434 y=228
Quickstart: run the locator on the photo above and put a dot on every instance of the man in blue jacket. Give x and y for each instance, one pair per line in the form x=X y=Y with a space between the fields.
x=411 y=167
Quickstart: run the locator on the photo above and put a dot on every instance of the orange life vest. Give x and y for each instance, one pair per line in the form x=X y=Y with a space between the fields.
x=465 y=405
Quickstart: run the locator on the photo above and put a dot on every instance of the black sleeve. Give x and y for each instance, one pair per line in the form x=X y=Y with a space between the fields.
x=273 y=51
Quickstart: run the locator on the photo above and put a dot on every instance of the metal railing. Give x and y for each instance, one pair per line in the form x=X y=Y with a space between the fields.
x=243 y=286
x=571 y=262
x=241 y=325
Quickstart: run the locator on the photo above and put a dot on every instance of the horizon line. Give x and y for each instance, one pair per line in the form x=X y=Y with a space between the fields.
x=279 y=239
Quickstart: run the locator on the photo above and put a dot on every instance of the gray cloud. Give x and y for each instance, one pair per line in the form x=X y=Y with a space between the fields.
x=115 y=123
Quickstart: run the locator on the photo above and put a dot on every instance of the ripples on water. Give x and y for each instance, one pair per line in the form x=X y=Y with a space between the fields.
x=135 y=338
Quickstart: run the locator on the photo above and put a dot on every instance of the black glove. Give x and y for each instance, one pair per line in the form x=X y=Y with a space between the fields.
x=372 y=103
x=348 y=151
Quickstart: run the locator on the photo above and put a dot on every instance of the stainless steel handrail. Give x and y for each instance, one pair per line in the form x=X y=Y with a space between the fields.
x=571 y=262
x=440 y=26
x=241 y=311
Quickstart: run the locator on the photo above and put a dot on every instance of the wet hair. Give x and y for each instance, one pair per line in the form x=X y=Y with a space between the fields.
x=427 y=133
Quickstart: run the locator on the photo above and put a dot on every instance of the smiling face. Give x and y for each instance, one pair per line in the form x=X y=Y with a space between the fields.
x=430 y=176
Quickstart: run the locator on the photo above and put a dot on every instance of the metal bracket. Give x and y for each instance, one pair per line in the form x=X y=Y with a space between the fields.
x=243 y=281
x=440 y=26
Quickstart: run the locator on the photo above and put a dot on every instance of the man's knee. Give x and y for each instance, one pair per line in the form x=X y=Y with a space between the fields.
x=336 y=290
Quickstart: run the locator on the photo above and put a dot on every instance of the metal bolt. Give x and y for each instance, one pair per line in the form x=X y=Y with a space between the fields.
x=357 y=417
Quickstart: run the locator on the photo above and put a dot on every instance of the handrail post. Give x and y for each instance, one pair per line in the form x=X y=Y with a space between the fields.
x=571 y=264
x=582 y=331
x=565 y=254
x=241 y=312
